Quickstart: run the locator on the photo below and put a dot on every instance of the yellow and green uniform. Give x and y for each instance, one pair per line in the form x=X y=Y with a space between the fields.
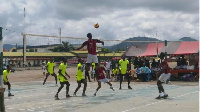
x=123 y=65
x=115 y=71
x=50 y=67
x=63 y=68
x=79 y=73
x=5 y=74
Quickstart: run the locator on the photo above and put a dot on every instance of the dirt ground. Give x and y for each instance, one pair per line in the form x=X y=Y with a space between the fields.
x=36 y=74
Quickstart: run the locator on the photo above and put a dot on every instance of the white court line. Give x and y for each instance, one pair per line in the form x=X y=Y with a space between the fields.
x=158 y=102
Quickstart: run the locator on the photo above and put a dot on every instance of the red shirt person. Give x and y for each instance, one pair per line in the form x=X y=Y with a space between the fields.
x=101 y=78
x=91 y=46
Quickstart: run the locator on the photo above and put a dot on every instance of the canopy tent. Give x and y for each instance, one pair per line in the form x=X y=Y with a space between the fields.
x=173 y=48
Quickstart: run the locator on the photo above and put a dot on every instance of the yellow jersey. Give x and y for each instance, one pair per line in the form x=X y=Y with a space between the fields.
x=63 y=68
x=5 y=74
x=50 y=67
x=79 y=73
x=123 y=65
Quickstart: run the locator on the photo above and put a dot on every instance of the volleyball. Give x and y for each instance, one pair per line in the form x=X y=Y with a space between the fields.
x=96 y=25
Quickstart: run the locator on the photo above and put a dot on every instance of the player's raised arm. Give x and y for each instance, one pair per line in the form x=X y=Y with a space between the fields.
x=84 y=44
x=99 y=41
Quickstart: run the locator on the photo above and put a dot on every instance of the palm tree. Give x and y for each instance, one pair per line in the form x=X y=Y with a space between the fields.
x=65 y=47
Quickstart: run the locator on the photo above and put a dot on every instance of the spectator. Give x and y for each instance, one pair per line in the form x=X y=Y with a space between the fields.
x=153 y=65
x=137 y=72
x=183 y=60
x=107 y=67
x=146 y=62
x=136 y=62
x=144 y=72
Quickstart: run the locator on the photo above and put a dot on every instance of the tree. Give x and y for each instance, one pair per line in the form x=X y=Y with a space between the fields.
x=118 y=50
x=31 y=50
x=105 y=50
x=65 y=47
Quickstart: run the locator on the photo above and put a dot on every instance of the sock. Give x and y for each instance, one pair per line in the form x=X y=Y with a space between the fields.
x=95 y=92
x=165 y=93
x=161 y=94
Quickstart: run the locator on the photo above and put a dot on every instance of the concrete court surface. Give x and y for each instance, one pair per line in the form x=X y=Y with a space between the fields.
x=35 y=97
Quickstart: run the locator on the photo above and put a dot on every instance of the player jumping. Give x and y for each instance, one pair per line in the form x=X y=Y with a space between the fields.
x=91 y=46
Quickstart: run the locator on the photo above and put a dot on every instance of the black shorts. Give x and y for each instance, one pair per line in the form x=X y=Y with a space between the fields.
x=6 y=83
x=66 y=82
x=81 y=81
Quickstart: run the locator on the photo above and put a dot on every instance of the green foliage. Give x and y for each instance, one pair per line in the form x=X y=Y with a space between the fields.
x=65 y=47
x=31 y=50
x=118 y=50
x=14 y=50
x=104 y=50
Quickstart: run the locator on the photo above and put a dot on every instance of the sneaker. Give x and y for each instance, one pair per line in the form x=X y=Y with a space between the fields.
x=120 y=88
x=95 y=94
x=112 y=88
x=74 y=94
x=56 y=97
x=84 y=94
x=165 y=96
x=159 y=97
x=129 y=87
x=9 y=94
x=67 y=96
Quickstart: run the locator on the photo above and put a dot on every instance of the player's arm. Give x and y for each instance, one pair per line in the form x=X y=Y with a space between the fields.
x=67 y=74
x=61 y=73
x=84 y=44
x=99 y=41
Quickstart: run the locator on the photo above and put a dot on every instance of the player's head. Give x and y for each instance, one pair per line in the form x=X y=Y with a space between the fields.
x=8 y=67
x=80 y=60
x=162 y=55
x=64 y=60
x=123 y=57
x=51 y=60
x=89 y=35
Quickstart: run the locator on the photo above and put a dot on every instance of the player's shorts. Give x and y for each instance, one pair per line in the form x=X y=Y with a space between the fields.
x=105 y=80
x=81 y=81
x=65 y=82
x=92 y=58
x=163 y=77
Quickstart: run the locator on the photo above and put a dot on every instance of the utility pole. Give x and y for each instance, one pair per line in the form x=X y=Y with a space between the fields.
x=24 y=40
x=156 y=45
x=60 y=34
x=1 y=58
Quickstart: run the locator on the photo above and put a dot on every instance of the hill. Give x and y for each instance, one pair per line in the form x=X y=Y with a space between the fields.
x=187 y=39
x=124 y=45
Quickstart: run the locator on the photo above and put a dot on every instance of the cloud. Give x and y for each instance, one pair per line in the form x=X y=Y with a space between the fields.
x=118 y=20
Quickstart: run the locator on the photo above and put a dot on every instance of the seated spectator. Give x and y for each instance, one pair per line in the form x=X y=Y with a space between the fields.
x=132 y=72
x=144 y=72
x=137 y=72
x=153 y=65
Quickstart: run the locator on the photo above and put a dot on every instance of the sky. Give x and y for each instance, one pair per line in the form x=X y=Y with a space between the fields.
x=117 y=19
